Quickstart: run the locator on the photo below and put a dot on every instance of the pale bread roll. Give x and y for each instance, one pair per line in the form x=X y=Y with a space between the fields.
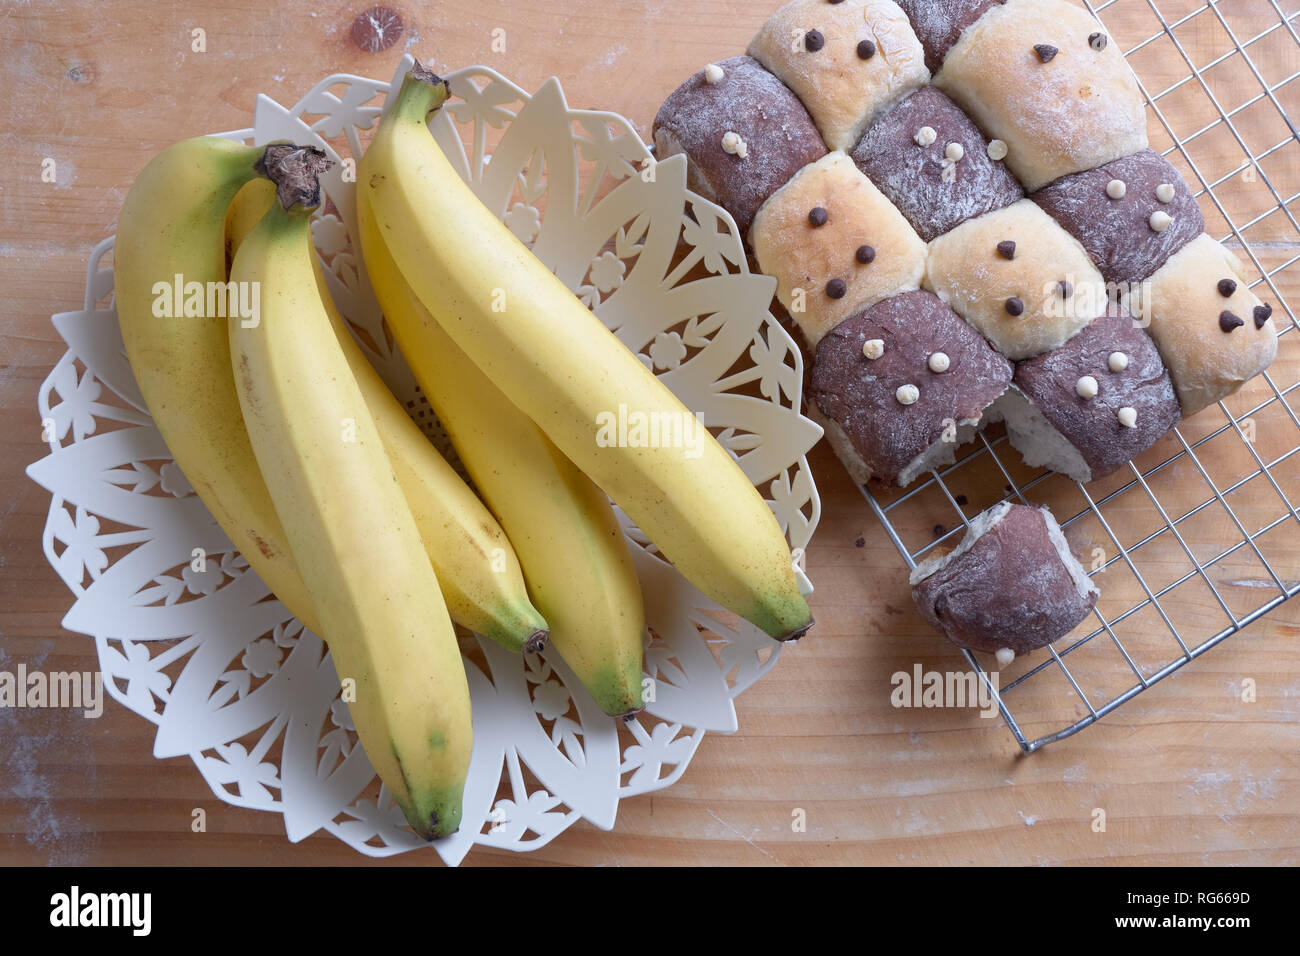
x=1079 y=110
x=807 y=259
x=1209 y=356
x=843 y=88
x=967 y=270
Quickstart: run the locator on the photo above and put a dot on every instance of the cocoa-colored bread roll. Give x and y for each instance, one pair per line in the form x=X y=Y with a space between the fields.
x=901 y=385
x=1094 y=404
x=774 y=137
x=1131 y=215
x=933 y=163
x=938 y=24
x=1011 y=586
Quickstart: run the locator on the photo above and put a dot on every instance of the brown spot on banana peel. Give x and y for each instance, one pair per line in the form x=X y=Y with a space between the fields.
x=246 y=380
x=426 y=75
x=262 y=545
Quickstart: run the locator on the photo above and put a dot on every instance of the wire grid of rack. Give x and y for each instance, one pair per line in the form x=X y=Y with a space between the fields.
x=1164 y=560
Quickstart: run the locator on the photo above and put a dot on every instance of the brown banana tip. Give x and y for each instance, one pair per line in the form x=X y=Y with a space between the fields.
x=797 y=632
x=630 y=715
x=537 y=642
x=425 y=75
x=296 y=172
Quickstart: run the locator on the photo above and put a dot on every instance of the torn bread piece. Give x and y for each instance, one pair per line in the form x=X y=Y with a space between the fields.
x=1010 y=587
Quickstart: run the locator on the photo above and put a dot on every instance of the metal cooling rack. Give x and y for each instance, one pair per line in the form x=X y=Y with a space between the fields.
x=1172 y=631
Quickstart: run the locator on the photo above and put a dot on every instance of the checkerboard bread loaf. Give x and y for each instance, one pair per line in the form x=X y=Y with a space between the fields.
x=992 y=154
x=958 y=201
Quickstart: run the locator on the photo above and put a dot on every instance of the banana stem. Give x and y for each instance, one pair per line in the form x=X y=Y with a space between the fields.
x=296 y=172
x=422 y=92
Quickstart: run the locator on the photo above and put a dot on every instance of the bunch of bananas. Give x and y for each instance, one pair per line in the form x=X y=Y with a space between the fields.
x=336 y=498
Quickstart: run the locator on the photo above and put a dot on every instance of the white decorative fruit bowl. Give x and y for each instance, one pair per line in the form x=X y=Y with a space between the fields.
x=225 y=672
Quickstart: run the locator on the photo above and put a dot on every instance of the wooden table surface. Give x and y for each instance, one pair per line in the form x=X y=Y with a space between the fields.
x=1186 y=773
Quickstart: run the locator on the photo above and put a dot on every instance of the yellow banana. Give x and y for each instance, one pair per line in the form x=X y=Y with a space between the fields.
x=563 y=528
x=350 y=528
x=173 y=225
x=555 y=360
x=476 y=566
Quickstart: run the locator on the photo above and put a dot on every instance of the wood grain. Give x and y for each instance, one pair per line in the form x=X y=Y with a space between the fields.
x=1186 y=773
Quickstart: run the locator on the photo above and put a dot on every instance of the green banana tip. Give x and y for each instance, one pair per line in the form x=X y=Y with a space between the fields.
x=431 y=832
x=433 y=827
